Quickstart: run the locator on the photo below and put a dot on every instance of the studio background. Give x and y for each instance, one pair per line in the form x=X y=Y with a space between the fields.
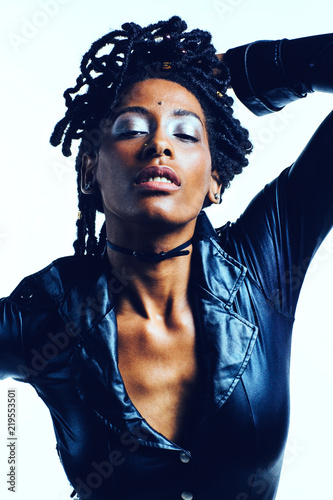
x=42 y=45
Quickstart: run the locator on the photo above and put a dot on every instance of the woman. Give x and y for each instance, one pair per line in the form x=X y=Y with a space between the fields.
x=162 y=349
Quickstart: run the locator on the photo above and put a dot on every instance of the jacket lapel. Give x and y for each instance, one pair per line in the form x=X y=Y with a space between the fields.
x=225 y=340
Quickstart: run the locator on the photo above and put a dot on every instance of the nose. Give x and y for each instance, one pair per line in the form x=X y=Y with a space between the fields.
x=156 y=146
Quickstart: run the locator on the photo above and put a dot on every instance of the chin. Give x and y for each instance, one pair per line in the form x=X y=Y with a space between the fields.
x=155 y=216
x=159 y=219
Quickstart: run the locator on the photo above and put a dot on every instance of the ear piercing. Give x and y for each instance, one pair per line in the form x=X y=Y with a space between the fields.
x=217 y=196
x=88 y=186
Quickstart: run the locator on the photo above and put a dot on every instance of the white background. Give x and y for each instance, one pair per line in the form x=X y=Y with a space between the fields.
x=42 y=44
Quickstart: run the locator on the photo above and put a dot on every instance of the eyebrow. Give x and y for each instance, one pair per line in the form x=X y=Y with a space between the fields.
x=143 y=111
x=130 y=109
x=184 y=112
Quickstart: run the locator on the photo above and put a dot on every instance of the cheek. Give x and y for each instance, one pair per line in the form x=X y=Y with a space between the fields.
x=109 y=168
x=201 y=168
x=104 y=174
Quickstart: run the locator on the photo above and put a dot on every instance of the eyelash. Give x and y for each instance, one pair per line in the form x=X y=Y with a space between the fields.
x=186 y=137
x=132 y=133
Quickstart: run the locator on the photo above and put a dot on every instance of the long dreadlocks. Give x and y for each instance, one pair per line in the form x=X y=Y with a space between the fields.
x=124 y=57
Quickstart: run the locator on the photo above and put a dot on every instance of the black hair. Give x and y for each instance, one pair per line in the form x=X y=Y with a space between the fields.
x=124 y=57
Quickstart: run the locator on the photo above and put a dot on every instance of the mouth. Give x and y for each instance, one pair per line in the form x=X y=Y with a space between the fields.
x=165 y=175
x=159 y=178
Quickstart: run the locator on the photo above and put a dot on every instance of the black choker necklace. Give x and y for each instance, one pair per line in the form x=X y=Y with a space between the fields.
x=151 y=256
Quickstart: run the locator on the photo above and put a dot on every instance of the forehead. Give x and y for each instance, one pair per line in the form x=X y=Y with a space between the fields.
x=162 y=95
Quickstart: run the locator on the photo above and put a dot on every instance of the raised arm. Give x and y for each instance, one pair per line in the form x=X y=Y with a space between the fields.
x=267 y=75
x=280 y=231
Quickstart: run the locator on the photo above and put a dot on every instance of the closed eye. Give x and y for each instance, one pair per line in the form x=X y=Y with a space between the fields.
x=130 y=125
x=131 y=133
x=186 y=137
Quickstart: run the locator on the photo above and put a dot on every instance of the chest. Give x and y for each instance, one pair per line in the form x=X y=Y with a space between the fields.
x=159 y=370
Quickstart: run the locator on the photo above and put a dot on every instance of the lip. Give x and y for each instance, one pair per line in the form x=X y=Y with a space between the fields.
x=141 y=179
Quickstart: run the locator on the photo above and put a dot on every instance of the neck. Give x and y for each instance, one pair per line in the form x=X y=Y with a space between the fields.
x=152 y=257
x=155 y=289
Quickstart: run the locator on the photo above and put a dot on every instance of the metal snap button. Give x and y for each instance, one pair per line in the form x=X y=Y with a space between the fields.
x=27 y=294
x=184 y=457
x=186 y=495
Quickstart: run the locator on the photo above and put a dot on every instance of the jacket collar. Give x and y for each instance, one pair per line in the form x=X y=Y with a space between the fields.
x=225 y=340
x=222 y=279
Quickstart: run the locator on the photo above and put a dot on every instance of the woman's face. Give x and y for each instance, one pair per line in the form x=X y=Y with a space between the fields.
x=154 y=163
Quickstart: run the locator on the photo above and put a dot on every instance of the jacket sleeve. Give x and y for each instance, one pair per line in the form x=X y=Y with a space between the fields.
x=266 y=75
x=11 y=344
x=280 y=231
x=25 y=317
x=282 y=228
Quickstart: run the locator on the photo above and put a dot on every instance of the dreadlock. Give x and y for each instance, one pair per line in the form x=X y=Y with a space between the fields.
x=124 y=57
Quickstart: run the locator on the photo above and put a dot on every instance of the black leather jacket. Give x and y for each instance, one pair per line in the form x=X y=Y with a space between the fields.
x=58 y=333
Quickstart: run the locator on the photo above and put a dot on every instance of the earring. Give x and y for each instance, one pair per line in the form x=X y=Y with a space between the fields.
x=217 y=196
x=88 y=186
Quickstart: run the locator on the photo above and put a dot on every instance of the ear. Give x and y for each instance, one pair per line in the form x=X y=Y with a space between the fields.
x=88 y=171
x=214 y=193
